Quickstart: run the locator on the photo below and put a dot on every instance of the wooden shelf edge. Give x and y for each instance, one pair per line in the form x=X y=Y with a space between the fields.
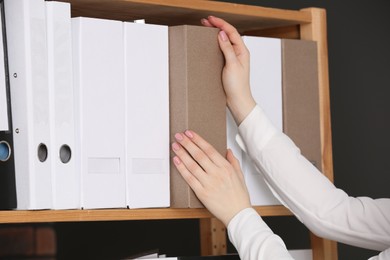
x=174 y=12
x=271 y=211
x=213 y=6
x=234 y=8
x=38 y=216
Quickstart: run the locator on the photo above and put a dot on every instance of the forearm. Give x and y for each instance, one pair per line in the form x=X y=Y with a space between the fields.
x=241 y=106
x=253 y=239
x=385 y=255
x=323 y=208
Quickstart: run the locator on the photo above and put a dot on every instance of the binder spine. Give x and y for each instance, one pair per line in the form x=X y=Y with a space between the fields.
x=101 y=97
x=64 y=176
x=26 y=38
x=7 y=161
x=301 y=97
x=197 y=99
x=146 y=70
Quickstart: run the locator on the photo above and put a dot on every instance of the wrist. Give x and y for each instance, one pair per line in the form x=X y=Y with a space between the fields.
x=227 y=221
x=241 y=107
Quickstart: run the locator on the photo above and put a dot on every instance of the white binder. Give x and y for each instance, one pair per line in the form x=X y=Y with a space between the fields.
x=98 y=54
x=301 y=254
x=147 y=86
x=65 y=178
x=27 y=53
x=266 y=87
x=231 y=133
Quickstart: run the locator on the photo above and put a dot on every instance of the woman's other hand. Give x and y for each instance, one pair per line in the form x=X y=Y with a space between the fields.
x=218 y=183
x=235 y=75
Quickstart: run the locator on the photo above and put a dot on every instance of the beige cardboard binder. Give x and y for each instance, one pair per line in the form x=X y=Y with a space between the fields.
x=197 y=98
x=301 y=119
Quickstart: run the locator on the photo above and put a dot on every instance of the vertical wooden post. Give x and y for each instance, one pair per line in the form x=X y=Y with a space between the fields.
x=213 y=237
x=323 y=249
x=316 y=31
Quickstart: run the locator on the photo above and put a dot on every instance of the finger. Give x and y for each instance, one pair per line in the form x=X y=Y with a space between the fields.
x=207 y=148
x=192 y=181
x=235 y=163
x=226 y=47
x=206 y=22
x=229 y=39
x=224 y=43
x=232 y=159
x=231 y=32
x=191 y=165
x=196 y=152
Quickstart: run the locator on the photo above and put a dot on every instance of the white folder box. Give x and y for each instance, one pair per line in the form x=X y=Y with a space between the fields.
x=65 y=178
x=147 y=85
x=301 y=254
x=231 y=134
x=98 y=53
x=27 y=53
x=266 y=88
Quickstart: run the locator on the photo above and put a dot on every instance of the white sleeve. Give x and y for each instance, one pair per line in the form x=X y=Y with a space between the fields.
x=385 y=255
x=327 y=211
x=253 y=239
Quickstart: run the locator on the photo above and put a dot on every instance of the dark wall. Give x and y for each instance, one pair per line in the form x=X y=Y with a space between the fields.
x=359 y=68
x=114 y=240
x=359 y=59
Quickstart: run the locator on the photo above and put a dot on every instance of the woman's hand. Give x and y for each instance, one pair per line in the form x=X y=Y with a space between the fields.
x=218 y=183
x=235 y=76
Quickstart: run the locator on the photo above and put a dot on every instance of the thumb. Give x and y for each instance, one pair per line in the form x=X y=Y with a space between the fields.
x=226 y=47
x=235 y=163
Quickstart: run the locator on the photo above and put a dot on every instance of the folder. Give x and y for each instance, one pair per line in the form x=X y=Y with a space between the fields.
x=66 y=191
x=266 y=88
x=98 y=54
x=7 y=166
x=301 y=97
x=27 y=56
x=301 y=254
x=197 y=98
x=147 y=118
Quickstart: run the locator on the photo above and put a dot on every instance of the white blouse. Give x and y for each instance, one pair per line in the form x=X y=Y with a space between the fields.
x=326 y=210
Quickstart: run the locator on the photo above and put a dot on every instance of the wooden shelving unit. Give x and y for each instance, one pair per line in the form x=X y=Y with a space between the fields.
x=308 y=24
x=35 y=216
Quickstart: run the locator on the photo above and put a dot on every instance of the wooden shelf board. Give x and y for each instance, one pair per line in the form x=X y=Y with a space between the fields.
x=173 y=12
x=35 y=216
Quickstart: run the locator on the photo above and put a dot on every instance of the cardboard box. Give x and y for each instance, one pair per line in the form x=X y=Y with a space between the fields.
x=197 y=99
x=301 y=116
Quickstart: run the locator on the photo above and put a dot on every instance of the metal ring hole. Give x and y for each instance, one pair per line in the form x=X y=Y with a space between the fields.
x=5 y=151
x=65 y=153
x=42 y=152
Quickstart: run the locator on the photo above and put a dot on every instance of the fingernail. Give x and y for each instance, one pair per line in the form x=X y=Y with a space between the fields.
x=203 y=20
x=189 y=134
x=178 y=137
x=223 y=36
x=175 y=147
x=176 y=160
